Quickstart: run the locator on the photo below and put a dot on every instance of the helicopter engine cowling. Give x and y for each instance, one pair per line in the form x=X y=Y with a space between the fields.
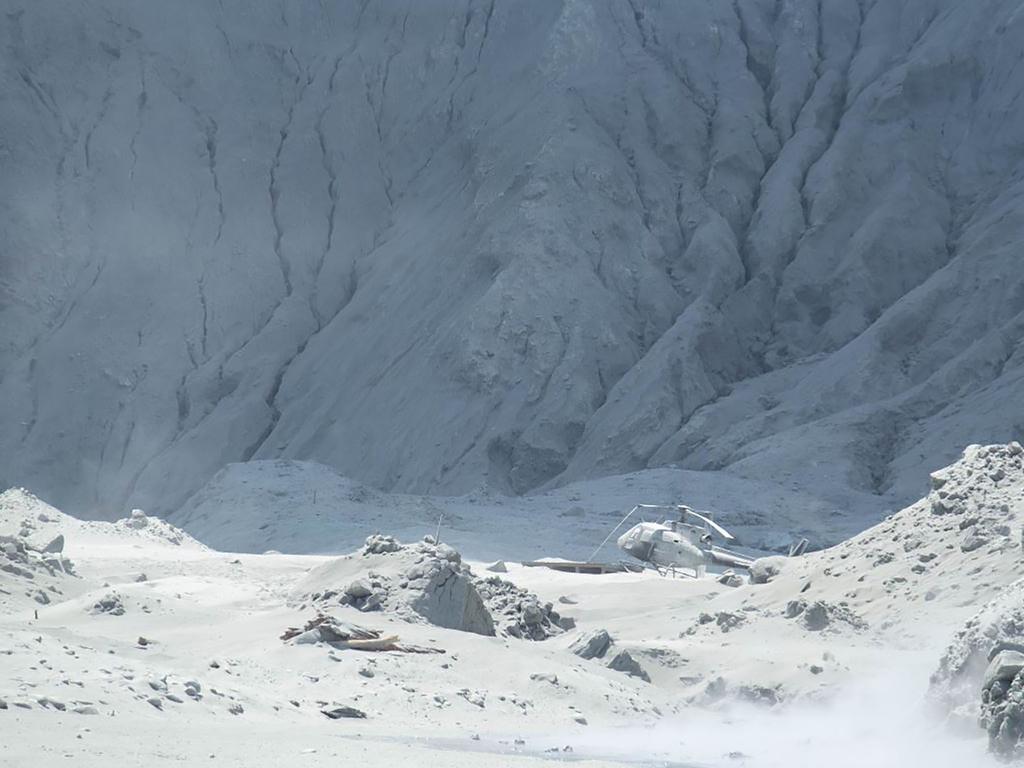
x=662 y=546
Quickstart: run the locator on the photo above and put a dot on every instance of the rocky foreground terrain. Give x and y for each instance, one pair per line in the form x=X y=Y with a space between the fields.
x=132 y=641
x=443 y=245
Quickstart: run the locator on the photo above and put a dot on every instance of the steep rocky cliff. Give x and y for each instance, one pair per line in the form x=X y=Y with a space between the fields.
x=440 y=244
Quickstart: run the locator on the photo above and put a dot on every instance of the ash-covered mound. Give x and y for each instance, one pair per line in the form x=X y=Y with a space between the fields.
x=979 y=492
x=138 y=523
x=917 y=575
x=32 y=565
x=30 y=572
x=427 y=581
x=979 y=678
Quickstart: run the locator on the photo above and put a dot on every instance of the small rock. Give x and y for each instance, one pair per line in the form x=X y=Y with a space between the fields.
x=794 y=608
x=544 y=678
x=731 y=579
x=56 y=545
x=593 y=645
x=726 y=620
x=760 y=694
x=358 y=589
x=972 y=542
x=337 y=713
x=816 y=617
x=716 y=689
x=379 y=545
x=764 y=569
x=371 y=603
x=623 y=662
x=532 y=613
x=109 y=604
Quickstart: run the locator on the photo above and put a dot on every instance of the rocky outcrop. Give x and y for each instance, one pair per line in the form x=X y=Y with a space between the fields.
x=428 y=581
x=443 y=591
x=1002 y=703
x=31 y=574
x=154 y=528
x=978 y=660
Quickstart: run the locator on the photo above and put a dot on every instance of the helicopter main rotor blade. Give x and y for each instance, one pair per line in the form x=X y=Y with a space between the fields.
x=719 y=529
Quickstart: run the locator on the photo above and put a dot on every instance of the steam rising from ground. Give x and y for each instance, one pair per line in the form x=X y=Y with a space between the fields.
x=878 y=723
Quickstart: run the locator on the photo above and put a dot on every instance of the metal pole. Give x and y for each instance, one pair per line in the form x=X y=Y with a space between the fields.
x=628 y=514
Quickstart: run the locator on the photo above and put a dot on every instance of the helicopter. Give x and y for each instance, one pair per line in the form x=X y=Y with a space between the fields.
x=685 y=544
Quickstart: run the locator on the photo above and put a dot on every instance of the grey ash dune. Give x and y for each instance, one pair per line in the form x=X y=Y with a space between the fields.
x=440 y=244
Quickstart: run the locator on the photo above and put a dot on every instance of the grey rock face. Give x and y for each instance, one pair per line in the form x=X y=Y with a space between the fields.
x=624 y=662
x=573 y=239
x=593 y=645
x=446 y=596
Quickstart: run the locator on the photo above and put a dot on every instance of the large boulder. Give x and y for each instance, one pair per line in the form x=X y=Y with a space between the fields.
x=442 y=591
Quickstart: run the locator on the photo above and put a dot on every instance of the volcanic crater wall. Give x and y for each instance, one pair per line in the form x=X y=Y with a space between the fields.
x=440 y=244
